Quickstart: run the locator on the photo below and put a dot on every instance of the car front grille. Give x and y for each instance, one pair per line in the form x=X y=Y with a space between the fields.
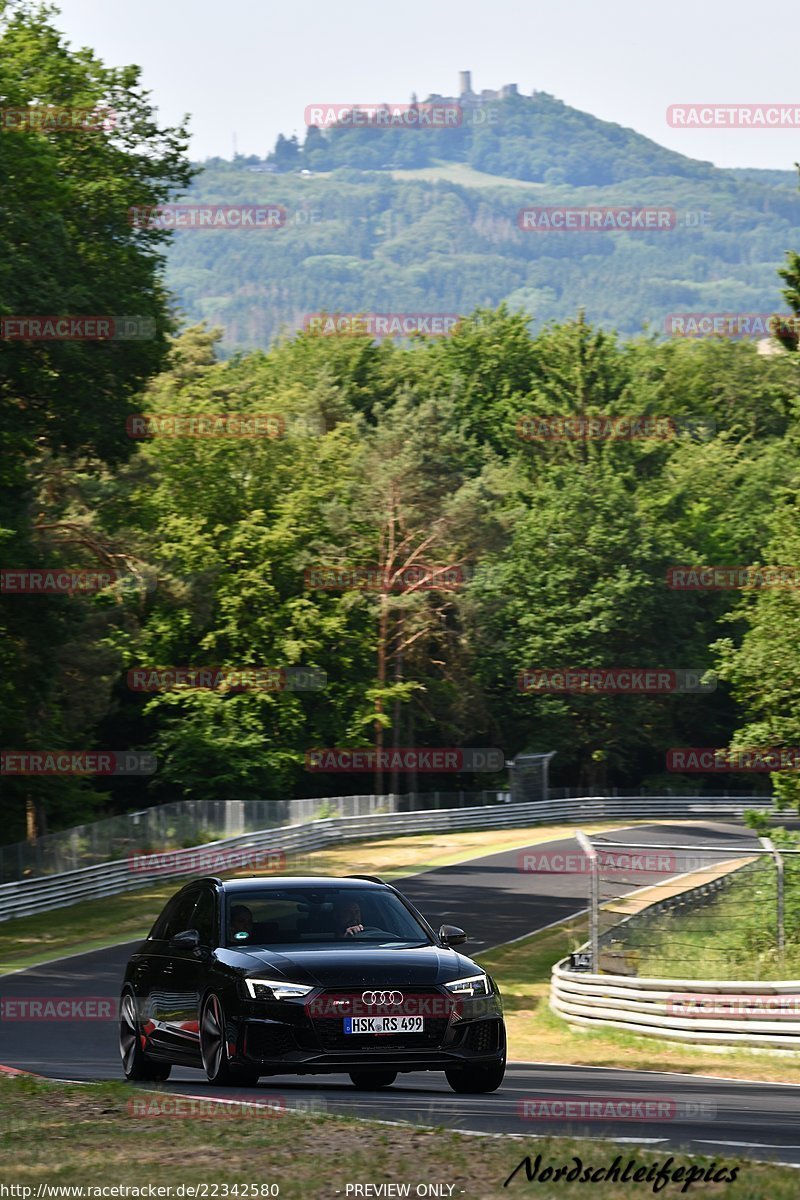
x=330 y=1029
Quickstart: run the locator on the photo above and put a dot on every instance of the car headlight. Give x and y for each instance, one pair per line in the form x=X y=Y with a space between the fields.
x=473 y=985
x=275 y=989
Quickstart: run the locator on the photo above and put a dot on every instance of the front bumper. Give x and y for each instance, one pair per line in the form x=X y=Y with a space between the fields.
x=288 y=1037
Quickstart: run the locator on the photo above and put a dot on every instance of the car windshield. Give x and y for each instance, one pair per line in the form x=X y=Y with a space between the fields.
x=320 y=916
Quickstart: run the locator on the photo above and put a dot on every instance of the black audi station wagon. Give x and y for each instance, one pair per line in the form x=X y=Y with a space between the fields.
x=277 y=976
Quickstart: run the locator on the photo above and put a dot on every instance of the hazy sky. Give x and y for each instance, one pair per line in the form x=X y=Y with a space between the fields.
x=252 y=68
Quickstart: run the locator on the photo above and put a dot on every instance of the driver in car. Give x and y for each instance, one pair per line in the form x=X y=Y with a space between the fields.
x=348 y=919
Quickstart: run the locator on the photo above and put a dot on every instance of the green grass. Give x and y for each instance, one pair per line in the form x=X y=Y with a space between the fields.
x=55 y=1134
x=535 y=1033
x=465 y=175
x=733 y=937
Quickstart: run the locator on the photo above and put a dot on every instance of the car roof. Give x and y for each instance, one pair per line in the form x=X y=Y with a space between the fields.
x=299 y=881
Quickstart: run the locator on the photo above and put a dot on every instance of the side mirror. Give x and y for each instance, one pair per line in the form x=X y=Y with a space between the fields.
x=189 y=939
x=451 y=935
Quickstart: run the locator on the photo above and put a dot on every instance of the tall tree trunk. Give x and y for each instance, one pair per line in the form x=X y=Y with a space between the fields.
x=31 y=824
x=413 y=780
x=398 y=675
x=383 y=627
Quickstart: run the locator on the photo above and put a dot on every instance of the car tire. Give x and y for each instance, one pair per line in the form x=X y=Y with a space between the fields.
x=367 y=1081
x=214 y=1048
x=137 y=1065
x=476 y=1079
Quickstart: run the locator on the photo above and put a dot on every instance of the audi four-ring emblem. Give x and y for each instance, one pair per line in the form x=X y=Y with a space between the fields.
x=382 y=997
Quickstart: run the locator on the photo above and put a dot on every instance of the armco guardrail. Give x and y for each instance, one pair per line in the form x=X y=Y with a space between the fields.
x=195 y=822
x=718 y=1012
x=107 y=879
x=682 y=1010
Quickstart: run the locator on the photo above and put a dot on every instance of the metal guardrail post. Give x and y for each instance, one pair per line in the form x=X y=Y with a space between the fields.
x=594 y=896
x=768 y=844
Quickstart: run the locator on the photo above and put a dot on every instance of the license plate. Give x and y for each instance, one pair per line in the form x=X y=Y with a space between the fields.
x=383 y=1024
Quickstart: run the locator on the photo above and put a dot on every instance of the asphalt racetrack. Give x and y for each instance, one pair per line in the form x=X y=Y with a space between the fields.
x=495 y=903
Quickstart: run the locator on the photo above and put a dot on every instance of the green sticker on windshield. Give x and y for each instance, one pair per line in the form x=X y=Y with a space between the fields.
x=241 y=935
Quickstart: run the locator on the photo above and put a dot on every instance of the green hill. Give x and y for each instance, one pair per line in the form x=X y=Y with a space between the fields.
x=435 y=227
x=536 y=138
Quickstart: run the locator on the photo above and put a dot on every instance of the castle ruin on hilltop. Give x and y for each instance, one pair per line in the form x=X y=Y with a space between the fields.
x=469 y=99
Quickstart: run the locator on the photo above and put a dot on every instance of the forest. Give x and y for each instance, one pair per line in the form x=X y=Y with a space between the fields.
x=518 y=499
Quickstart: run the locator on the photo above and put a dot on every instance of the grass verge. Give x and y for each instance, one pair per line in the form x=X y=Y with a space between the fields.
x=55 y=1135
x=536 y=1034
x=733 y=937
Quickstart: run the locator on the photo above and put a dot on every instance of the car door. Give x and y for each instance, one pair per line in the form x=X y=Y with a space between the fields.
x=186 y=975
x=165 y=1005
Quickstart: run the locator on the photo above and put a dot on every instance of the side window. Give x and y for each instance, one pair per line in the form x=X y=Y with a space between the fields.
x=156 y=934
x=175 y=917
x=204 y=918
x=183 y=915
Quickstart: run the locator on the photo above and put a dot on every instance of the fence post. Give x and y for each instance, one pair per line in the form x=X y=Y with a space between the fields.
x=768 y=845
x=594 y=896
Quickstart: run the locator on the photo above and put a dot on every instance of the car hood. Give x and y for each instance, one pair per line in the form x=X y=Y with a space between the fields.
x=341 y=967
